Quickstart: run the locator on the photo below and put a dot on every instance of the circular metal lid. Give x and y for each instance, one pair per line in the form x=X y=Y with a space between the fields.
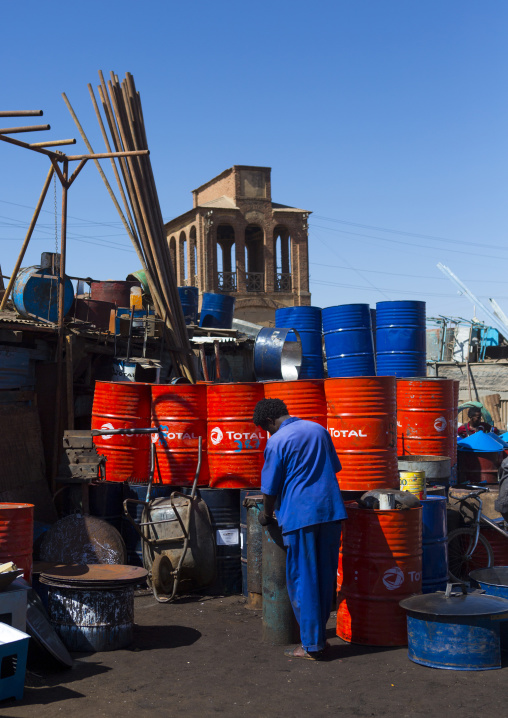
x=94 y=575
x=456 y=604
x=495 y=576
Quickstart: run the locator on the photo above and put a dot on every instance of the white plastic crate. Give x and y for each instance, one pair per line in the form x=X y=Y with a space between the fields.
x=13 y=653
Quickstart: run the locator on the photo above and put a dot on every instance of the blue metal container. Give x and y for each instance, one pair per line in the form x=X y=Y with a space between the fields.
x=35 y=294
x=348 y=340
x=401 y=339
x=129 y=534
x=434 y=544
x=106 y=502
x=189 y=299
x=224 y=508
x=458 y=632
x=305 y=319
x=217 y=310
x=277 y=357
x=494 y=581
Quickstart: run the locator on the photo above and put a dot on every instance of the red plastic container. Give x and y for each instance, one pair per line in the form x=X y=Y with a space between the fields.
x=16 y=536
x=426 y=418
x=180 y=412
x=361 y=423
x=305 y=398
x=380 y=563
x=235 y=444
x=123 y=405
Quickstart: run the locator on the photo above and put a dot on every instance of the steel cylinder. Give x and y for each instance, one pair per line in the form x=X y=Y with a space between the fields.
x=275 y=357
x=279 y=623
x=426 y=417
x=179 y=410
x=434 y=544
x=224 y=508
x=92 y=619
x=189 y=299
x=244 y=494
x=361 y=423
x=380 y=563
x=16 y=536
x=123 y=405
x=254 y=552
x=401 y=339
x=305 y=398
x=217 y=310
x=349 y=346
x=235 y=444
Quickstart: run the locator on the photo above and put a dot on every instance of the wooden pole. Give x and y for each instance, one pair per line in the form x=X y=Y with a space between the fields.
x=27 y=238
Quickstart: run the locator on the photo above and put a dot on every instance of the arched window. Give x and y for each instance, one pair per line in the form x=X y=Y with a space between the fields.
x=254 y=258
x=282 y=253
x=226 y=258
x=172 y=252
x=182 y=259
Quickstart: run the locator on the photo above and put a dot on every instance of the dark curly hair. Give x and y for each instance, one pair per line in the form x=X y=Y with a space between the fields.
x=472 y=411
x=267 y=409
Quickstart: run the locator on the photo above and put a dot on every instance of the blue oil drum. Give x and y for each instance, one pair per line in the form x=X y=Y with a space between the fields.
x=455 y=631
x=129 y=534
x=307 y=322
x=35 y=294
x=494 y=581
x=224 y=508
x=348 y=340
x=105 y=499
x=434 y=544
x=217 y=310
x=401 y=339
x=189 y=299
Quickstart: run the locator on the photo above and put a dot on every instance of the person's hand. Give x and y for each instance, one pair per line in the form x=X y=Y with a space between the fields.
x=264 y=519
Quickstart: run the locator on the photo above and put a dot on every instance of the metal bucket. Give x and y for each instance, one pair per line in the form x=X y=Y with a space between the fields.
x=275 y=357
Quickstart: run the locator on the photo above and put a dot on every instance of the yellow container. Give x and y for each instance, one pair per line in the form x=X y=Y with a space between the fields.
x=414 y=482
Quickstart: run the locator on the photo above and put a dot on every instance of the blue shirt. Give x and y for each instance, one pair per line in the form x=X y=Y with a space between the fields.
x=300 y=467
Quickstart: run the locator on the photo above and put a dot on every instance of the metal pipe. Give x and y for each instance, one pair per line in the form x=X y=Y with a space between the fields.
x=53 y=143
x=54 y=155
x=27 y=239
x=107 y=155
x=28 y=128
x=21 y=113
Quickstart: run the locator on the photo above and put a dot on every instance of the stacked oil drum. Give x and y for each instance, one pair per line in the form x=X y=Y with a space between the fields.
x=348 y=338
x=401 y=339
x=307 y=322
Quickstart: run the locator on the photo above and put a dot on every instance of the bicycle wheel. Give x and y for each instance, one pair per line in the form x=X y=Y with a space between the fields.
x=460 y=560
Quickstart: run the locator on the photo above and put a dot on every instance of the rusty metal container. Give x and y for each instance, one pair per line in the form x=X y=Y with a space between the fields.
x=123 y=405
x=180 y=412
x=305 y=398
x=93 y=311
x=380 y=563
x=362 y=423
x=118 y=293
x=475 y=466
x=16 y=536
x=426 y=417
x=235 y=444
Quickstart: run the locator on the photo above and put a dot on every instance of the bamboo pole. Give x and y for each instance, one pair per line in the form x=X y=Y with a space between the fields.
x=27 y=238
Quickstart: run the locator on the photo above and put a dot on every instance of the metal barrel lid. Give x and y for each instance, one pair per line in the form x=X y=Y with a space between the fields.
x=94 y=575
x=495 y=576
x=452 y=604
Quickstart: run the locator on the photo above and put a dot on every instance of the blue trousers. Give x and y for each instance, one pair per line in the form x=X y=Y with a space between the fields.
x=311 y=570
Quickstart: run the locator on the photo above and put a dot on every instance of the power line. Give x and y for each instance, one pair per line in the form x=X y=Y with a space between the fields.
x=380 y=289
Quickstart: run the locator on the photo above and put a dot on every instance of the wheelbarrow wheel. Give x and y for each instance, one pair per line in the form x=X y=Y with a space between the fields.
x=162 y=574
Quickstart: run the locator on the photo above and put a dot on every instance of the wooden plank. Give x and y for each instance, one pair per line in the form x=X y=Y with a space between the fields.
x=492 y=402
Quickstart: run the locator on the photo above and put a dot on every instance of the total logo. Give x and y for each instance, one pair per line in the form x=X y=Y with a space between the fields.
x=440 y=423
x=337 y=433
x=394 y=577
x=104 y=427
x=216 y=436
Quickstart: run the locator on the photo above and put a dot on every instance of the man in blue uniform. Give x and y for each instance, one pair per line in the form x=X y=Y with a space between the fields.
x=299 y=482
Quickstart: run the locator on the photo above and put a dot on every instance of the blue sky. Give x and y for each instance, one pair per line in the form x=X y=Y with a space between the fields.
x=387 y=118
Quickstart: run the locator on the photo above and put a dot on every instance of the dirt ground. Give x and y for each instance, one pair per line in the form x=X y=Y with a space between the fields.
x=203 y=657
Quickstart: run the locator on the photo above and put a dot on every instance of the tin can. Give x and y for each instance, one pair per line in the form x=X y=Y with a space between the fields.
x=414 y=482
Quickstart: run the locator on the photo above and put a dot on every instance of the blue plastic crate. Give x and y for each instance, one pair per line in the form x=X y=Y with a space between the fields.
x=13 y=652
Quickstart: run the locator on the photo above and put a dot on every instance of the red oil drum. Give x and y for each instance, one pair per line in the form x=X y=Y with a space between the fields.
x=499 y=545
x=180 y=413
x=361 y=422
x=305 y=398
x=380 y=563
x=235 y=444
x=476 y=466
x=456 y=389
x=123 y=405
x=426 y=417
x=17 y=535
